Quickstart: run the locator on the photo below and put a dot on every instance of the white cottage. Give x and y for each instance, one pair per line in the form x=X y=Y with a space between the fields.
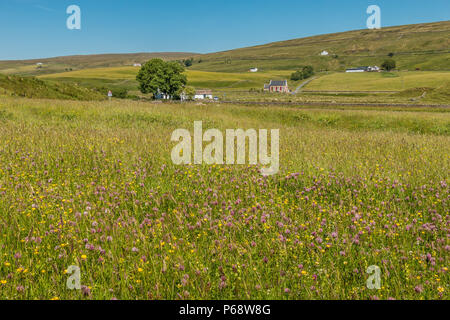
x=203 y=94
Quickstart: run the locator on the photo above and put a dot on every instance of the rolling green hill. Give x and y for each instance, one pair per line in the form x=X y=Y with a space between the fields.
x=61 y=64
x=31 y=87
x=424 y=46
x=420 y=46
x=125 y=77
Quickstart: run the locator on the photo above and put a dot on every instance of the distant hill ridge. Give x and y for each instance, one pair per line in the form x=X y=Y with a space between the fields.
x=77 y=62
x=420 y=46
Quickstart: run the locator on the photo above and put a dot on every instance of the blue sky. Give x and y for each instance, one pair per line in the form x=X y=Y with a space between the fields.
x=37 y=28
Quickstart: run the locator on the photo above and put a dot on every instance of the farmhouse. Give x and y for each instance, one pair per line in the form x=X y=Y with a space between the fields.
x=137 y=65
x=203 y=94
x=324 y=53
x=277 y=86
x=253 y=70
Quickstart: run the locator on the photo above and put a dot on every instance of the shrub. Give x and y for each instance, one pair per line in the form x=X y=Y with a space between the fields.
x=389 y=64
x=305 y=73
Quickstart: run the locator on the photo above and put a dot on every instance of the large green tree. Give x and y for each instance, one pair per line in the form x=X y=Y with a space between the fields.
x=165 y=77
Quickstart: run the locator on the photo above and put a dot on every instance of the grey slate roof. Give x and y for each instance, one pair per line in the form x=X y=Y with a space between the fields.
x=282 y=83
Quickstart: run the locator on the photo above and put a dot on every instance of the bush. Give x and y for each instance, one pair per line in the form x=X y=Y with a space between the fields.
x=189 y=92
x=305 y=73
x=120 y=93
x=296 y=76
x=188 y=62
x=389 y=64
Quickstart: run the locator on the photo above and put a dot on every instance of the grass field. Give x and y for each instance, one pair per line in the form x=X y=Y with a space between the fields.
x=92 y=184
x=199 y=79
x=379 y=81
x=236 y=86
x=218 y=81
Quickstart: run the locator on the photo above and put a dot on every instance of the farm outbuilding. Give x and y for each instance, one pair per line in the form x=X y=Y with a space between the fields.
x=363 y=69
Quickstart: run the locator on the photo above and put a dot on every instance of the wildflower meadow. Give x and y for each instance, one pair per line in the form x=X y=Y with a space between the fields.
x=92 y=185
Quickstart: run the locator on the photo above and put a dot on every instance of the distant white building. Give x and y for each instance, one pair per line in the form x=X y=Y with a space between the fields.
x=354 y=70
x=363 y=69
x=324 y=53
x=253 y=70
x=203 y=94
x=39 y=64
x=137 y=65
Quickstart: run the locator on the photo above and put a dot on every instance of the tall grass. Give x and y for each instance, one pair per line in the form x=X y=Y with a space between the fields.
x=91 y=184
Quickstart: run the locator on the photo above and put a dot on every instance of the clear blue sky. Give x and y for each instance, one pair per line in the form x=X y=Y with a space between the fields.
x=37 y=28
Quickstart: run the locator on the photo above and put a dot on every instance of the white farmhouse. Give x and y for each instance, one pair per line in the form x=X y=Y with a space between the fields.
x=324 y=53
x=203 y=94
x=253 y=70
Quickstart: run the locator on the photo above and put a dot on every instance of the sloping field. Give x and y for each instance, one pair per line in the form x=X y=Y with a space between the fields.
x=424 y=46
x=378 y=81
x=197 y=79
x=31 y=87
x=61 y=64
